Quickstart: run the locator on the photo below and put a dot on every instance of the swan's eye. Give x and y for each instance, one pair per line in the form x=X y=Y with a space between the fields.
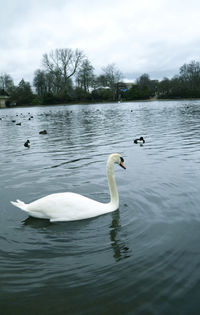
x=121 y=158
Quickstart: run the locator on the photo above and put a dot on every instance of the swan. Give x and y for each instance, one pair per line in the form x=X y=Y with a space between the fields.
x=68 y=206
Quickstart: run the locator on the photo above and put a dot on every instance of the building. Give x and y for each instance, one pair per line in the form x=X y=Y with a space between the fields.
x=3 y=98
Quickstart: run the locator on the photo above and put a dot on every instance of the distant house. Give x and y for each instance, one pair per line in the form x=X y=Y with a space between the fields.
x=3 y=98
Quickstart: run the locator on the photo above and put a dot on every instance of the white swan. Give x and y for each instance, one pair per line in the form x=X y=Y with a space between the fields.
x=69 y=206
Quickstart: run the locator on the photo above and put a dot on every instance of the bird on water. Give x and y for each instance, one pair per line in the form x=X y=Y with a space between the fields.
x=27 y=144
x=68 y=206
x=139 y=140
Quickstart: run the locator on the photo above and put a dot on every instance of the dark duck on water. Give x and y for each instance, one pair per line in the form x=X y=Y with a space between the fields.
x=43 y=132
x=27 y=144
x=139 y=140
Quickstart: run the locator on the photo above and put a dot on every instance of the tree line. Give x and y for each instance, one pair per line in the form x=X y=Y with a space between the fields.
x=68 y=76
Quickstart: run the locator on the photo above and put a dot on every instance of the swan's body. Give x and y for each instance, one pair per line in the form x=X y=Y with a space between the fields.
x=70 y=206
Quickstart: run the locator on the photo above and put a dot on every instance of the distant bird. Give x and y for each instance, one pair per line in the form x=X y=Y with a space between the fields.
x=26 y=144
x=43 y=132
x=140 y=140
x=18 y=124
x=13 y=121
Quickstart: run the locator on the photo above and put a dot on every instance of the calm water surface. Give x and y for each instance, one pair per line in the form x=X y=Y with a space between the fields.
x=141 y=259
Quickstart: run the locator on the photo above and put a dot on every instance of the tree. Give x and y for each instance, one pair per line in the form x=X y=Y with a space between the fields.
x=23 y=94
x=164 y=87
x=85 y=76
x=190 y=72
x=132 y=94
x=145 y=86
x=63 y=64
x=112 y=77
x=101 y=81
x=177 y=89
x=112 y=74
x=190 y=78
x=144 y=80
x=102 y=94
x=40 y=82
x=6 y=82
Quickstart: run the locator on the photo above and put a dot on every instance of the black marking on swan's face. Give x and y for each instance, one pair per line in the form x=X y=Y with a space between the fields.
x=122 y=162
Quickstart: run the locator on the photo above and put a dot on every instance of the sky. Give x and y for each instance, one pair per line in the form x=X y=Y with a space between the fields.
x=139 y=36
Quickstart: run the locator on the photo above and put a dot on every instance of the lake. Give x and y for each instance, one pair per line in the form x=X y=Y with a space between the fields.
x=141 y=259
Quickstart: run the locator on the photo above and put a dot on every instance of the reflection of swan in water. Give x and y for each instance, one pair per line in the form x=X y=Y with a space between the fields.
x=45 y=226
x=35 y=223
x=120 y=249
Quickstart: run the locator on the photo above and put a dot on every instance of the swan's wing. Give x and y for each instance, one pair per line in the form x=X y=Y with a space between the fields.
x=66 y=207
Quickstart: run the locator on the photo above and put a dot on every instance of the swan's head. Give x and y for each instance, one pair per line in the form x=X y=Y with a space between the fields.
x=117 y=158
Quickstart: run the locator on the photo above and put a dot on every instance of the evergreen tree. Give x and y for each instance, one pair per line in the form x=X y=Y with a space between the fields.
x=23 y=94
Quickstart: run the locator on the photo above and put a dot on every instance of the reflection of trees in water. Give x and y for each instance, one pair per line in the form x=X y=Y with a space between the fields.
x=120 y=249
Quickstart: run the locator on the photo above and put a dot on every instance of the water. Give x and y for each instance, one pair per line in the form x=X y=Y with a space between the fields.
x=141 y=259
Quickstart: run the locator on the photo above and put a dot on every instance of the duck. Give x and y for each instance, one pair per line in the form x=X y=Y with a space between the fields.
x=69 y=206
x=140 y=140
x=43 y=132
x=27 y=144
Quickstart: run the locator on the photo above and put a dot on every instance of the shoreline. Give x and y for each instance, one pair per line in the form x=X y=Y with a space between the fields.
x=153 y=99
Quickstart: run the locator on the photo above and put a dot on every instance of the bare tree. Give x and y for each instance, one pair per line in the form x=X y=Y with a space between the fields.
x=63 y=62
x=113 y=77
x=6 y=82
x=112 y=74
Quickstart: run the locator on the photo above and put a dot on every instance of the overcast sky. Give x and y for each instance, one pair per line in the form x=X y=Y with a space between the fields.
x=139 y=36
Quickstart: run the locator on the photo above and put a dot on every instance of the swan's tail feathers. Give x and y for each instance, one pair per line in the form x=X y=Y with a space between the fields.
x=20 y=204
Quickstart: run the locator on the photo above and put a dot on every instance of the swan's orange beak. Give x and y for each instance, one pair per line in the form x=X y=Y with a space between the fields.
x=122 y=165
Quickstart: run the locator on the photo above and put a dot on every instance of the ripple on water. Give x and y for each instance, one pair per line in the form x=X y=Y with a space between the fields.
x=145 y=256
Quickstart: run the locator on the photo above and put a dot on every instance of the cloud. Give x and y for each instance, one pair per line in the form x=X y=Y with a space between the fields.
x=146 y=36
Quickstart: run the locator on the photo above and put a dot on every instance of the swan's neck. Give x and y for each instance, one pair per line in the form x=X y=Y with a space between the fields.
x=114 y=197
